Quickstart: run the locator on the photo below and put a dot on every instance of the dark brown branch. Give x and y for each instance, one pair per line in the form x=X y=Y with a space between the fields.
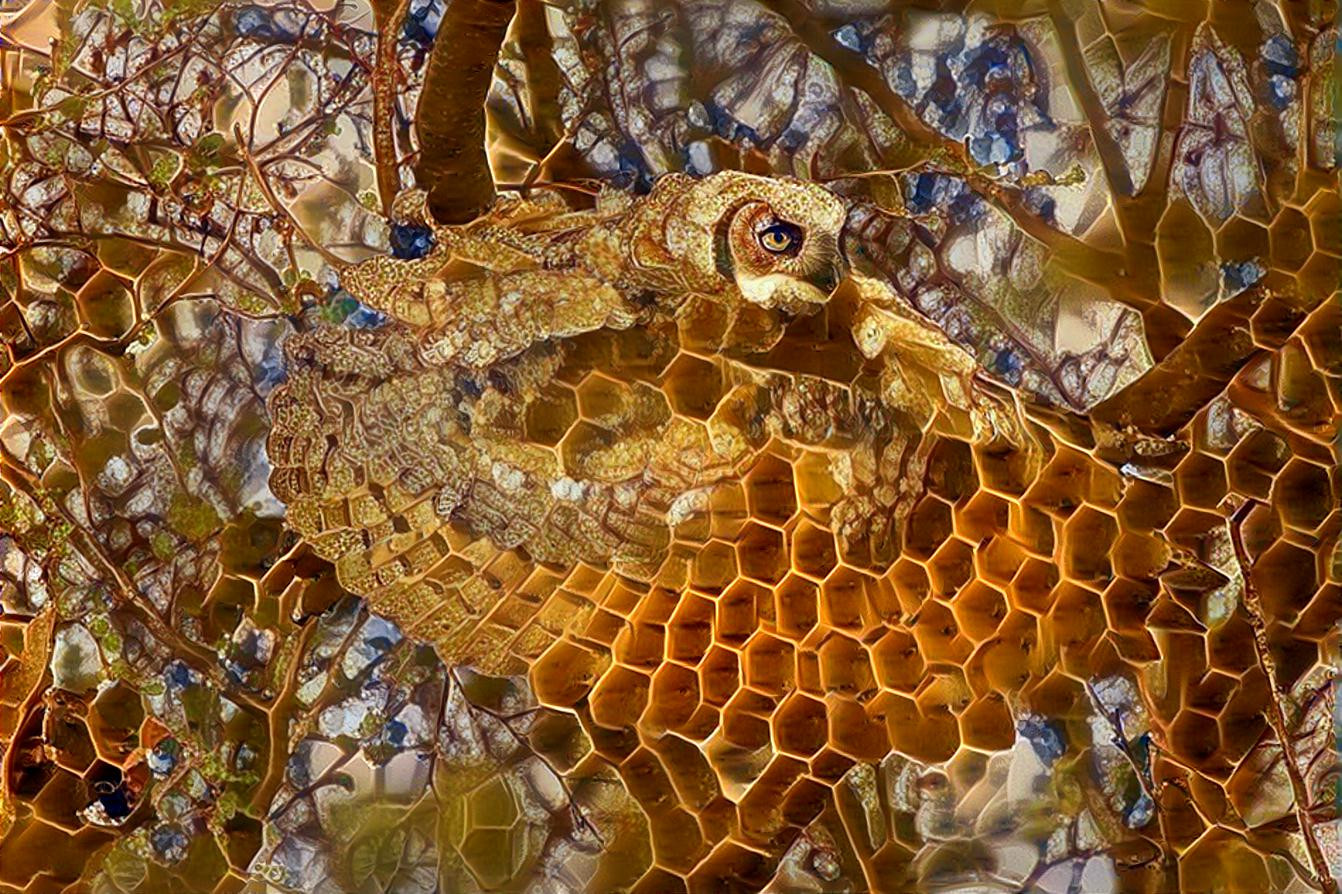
x=450 y=120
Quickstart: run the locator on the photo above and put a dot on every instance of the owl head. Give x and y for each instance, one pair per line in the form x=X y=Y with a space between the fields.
x=771 y=242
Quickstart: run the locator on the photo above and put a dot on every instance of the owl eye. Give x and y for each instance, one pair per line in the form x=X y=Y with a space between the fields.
x=780 y=238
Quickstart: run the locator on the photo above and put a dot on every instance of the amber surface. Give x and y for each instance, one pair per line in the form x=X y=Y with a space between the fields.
x=719 y=445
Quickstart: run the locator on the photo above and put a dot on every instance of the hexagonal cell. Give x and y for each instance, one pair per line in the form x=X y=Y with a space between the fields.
x=640 y=645
x=928 y=526
x=1286 y=577
x=1322 y=336
x=585 y=443
x=688 y=769
x=714 y=567
x=673 y=698
x=1063 y=484
x=550 y=415
x=1140 y=556
x=1319 y=275
x=1186 y=252
x=799 y=725
x=979 y=610
x=719 y=675
x=1127 y=603
x=564 y=674
x=646 y=778
x=817 y=487
x=1032 y=587
x=1088 y=536
x=845 y=667
x=690 y=629
x=60 y=799
x=770 y=494
x=1255 y=461
x=1195 y=737
x=1220 y=861
x=929 y=739
x=1325 y=218
x=68 y=737
x=693 y=386
x=897 y=662
x=619 y=697
x=603 y=400
x=986 y=724
x=106 y=305
x=911 y=583
x=1077 y=616
x=845 y=602
x=770 y=664
x=1002 y=471
x=114 y=721
x=852 y=733
x=796 y=606
x=1240 y=237
x=1200 y=480
x=738 y=613
x=1291 y=240
x=1032 y=529
x=1303 y=495
x=950 y=470
x=951 y=567
x=760 y=553
x=813 y=550
x=744 y=719
x=983 y=515
x=937 y=634
x=1005 y=663
x=1274 y=322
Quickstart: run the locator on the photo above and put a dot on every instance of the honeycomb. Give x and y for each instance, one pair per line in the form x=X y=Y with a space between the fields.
x=420 y=472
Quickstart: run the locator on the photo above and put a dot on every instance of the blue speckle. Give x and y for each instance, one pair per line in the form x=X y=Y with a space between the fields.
x=1281 y=62
x=115 y=803
x=1238 y=276
x=1044 y=736
x=1140 y=812
x=1008 y=365
x=253 y=21
x=422 y=21
x=942 y=91
x=1280 y=56
x=364 y=317
x=257 y=22
x=411 y=241
x=163 y=757
x=177 y=675
x=848 y=37
x=924 y=193
x=985 y=61
x=634 y=170
x=966 y=207
x=169 y=842
x=396 y=732
x=1280 y=90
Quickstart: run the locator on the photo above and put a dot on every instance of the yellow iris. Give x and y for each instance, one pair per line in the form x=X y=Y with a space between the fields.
x=779 y=238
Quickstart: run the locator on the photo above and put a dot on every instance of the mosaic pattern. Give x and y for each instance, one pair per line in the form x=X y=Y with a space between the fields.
x=721 y=445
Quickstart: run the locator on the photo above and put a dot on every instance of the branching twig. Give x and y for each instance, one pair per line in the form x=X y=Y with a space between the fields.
x=1253 y=607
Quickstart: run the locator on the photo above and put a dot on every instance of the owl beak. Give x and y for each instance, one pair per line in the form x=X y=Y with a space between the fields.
x=827 y=278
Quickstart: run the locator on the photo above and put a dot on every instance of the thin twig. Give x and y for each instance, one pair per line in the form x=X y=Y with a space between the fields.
x=1253 y=607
